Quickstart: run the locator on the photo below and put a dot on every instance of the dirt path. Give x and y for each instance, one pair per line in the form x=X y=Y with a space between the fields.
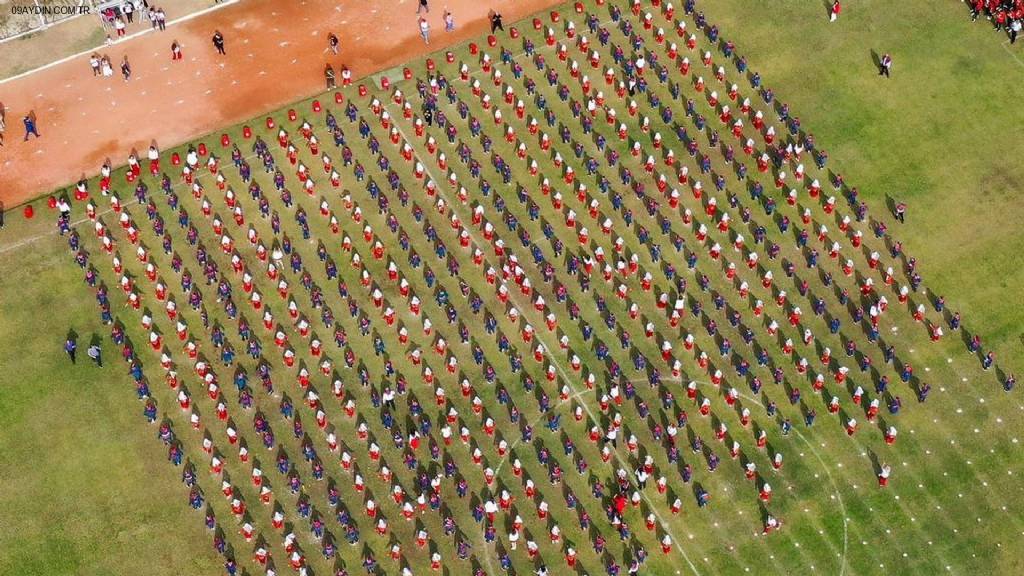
x=274 y=56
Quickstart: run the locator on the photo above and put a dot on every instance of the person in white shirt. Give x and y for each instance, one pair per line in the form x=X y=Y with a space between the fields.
x=425 y=30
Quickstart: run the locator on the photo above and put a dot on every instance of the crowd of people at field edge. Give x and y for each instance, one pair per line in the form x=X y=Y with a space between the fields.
x=1006 y=16
x=119 y=17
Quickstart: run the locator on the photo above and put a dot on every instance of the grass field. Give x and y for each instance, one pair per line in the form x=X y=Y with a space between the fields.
x=92 y=492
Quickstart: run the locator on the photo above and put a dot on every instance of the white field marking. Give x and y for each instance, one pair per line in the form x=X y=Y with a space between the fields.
x=1006 y=46
x=790 y=487
x=547 y=349
x=185 y=18
x=838 y=495
x=534 y=424
x=80 y=221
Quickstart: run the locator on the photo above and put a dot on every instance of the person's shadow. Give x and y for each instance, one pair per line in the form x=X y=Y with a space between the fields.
x=890 y=202
x=876 y=60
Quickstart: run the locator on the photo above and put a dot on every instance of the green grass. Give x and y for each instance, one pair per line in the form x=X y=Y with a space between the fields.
x=952 y=506
x=937 y=135
x=86 y=487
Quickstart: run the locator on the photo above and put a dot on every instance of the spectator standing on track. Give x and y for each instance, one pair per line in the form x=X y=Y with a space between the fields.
x=94 y=63
x=425 y=30
x=422 y=6
x=126 y=69
x=885 y=65
x=3 y=126
x=333 y=43
x=176 y=51
x=496 y=22
x=449 y=21
x=218 y=42
x=152 y=17
x=329 y=76
x=108 y=69
x=70 y=346
x=30 y=125
x=834 y=12
x=161 y=18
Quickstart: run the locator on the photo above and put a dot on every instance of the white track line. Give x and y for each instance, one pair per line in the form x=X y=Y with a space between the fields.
x=185 y=18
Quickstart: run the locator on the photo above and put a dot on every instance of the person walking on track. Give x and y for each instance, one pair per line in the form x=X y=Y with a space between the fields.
x=30 y=125
x=218 y=42
x=425 y=30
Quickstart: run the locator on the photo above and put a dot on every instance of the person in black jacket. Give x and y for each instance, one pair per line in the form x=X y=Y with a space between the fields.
x=218 y=41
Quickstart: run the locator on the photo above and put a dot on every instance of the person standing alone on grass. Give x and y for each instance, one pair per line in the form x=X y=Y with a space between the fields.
x=30 y=125
x=218 y=42
x=70 y=347
x=885 y=65
x=96 y=354
x=496 y=22
x=834 y=11
x=901 y=212
x=425 y=30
